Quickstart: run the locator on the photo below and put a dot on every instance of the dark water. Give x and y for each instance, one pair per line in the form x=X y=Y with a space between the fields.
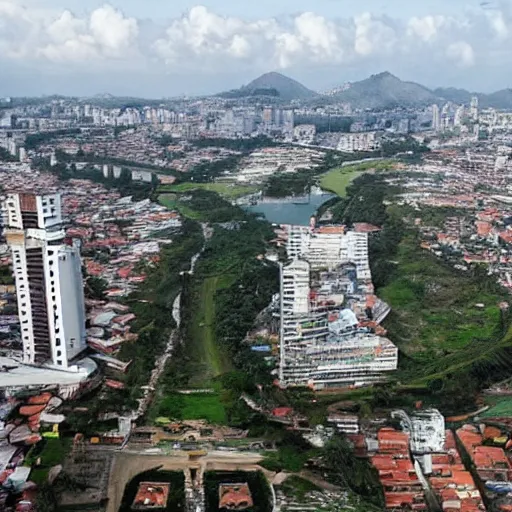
x=290 y=213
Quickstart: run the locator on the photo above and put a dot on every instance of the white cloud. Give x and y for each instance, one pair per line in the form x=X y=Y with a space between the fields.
x=28 y=33
x=204 y=41
x=462 y=53
x=373 y=35
x=426 y=28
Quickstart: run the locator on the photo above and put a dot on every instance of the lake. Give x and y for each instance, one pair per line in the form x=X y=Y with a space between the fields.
x=285 y=212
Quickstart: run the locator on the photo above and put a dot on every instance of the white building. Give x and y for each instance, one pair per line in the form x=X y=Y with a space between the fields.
x=436 y=118
x=426 y=430
x=321 y=342
x=474 y=108
x=48 y=281
x=364 y=141
x=459 y=116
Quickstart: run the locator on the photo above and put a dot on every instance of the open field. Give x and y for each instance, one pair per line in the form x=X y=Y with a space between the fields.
x=171 y=201
x=500 y=407
x=205 y=347
x=227 y=190
x=337 y=180
x=435 y=309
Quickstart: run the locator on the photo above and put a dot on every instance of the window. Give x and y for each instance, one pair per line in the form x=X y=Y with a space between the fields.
x=57 y=342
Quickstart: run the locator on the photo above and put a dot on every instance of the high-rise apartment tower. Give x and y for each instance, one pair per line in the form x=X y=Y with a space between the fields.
x=48 y=278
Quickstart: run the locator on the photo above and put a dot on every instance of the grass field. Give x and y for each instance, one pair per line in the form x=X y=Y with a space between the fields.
x=227 y=190
x=337 y=180
x=213 y=361
x=207 y=406
x=434 y=307
x=51 y=452
x=171 y=201
x=500 y=407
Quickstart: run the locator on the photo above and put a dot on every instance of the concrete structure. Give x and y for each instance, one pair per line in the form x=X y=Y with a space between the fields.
x=328 y=313
x=426 y=430
x=48 y=280
x=474 y=108
x=436 y=118
x=352 y=142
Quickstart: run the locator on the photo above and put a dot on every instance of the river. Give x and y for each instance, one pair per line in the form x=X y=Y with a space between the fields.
x=286 y=212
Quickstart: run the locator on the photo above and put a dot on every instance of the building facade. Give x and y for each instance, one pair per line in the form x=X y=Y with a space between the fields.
x=328 y=311
x=48 y=278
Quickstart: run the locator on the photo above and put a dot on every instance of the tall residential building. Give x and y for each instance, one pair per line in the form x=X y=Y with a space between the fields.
x=474 y=108
x=459 y=116
x=327 y=305
x=436 y=118
x=48 y=277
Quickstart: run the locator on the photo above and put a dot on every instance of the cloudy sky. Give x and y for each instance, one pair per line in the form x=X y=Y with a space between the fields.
x=157 y=48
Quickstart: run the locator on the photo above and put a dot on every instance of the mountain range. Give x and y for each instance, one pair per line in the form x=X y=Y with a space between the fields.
x=383 y=90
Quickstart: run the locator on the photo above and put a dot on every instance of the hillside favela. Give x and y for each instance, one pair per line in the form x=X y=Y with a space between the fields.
x=223 y=288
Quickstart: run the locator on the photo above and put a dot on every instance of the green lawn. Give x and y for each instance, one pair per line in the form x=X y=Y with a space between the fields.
x=434 y=307
x=213 y=361
x=228 y=190
x=207 y=406
x=51 y=452
x=171 y=201
x=500 y=407
x=337 y=180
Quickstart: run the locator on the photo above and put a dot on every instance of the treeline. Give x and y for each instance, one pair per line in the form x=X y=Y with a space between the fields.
x=206 y=172
x=244 y=93
x=393 y=147
x=325 y=124
x=453 y=380
x=5 y=156
x=124 y=184
x=152 y=304
x=284 y=184
x=34 y=140
x=208 y=206
x=92 y=158
x=244 y=145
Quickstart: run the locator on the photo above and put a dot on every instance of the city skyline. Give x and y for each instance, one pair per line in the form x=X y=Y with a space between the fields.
x=85 y=48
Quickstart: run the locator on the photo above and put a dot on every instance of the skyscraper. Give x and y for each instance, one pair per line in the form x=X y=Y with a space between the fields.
x=48 y=277
x=436 y=118
x=474 y=108
x=459 y=116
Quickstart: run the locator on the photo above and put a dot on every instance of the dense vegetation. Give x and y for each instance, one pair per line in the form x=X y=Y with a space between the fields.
x=5 y=156
x=219 y=305
x=352 y=472
x=124 y=184
x=244 y=145
x=208 y=171
x=283 y=184
x=391 y=147
x=34 y=140
x=324 y=123
x=449 y=347
x=152 y=304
